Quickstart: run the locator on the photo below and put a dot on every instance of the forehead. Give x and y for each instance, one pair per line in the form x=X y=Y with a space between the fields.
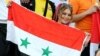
x=66 y=11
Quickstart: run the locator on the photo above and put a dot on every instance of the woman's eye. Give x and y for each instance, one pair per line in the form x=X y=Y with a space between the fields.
x=66 y=14
x=69 y=14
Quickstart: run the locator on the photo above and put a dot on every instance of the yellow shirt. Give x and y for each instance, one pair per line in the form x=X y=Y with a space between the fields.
x=40 y=7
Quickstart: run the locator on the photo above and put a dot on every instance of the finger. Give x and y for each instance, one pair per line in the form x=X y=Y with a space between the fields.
x=9 y=3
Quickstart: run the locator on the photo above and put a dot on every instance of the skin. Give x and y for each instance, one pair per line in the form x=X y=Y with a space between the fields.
x=80 y=16
x=64 y=16
x=98 y=53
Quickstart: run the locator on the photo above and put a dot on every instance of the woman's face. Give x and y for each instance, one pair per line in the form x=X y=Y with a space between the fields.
x=65 y=16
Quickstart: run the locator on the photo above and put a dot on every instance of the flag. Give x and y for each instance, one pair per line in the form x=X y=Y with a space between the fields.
x=3 y=10
x=95 y=39
x=34 y=35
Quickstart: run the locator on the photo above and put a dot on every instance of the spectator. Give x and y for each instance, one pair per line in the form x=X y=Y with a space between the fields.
x=82 y=11
x=42 y=7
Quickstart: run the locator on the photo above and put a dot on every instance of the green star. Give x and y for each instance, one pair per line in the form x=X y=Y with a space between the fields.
x=46 y=51
x=24 y=43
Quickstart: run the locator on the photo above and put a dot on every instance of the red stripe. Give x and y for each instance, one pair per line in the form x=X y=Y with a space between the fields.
x=46 y=29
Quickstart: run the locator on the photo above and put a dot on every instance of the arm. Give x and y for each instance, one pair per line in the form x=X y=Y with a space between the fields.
x=77 y=17
x=76 y=6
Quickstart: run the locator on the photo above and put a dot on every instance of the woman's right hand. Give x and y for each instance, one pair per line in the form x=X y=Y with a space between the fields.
x=88 y=36
x=91 y=10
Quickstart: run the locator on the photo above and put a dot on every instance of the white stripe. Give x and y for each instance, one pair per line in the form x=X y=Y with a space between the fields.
x=3 y=10
x=35 y=48
x=10 y=31
x=93 y=48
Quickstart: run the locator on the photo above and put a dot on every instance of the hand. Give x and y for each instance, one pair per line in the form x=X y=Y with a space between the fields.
x=97 y=4
x=25 y=1
x=9 y=3
x=91 y=10
x=88 y=36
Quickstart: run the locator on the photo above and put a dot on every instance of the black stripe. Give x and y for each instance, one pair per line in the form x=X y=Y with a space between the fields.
x=13 y=50
x=3 y=44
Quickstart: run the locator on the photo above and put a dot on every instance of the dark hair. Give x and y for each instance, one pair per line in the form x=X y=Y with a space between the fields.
x=61 y=7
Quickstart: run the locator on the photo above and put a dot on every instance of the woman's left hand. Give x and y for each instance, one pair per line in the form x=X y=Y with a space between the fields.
x=9 y=3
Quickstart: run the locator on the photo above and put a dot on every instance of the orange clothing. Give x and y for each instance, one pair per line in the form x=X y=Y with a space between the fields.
x=80 y=6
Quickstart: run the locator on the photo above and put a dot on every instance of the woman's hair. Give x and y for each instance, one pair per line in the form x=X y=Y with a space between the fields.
x=61 y=7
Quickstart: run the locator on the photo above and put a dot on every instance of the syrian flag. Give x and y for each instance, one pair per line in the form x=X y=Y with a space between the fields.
x=95 y=39
x=35 y=35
